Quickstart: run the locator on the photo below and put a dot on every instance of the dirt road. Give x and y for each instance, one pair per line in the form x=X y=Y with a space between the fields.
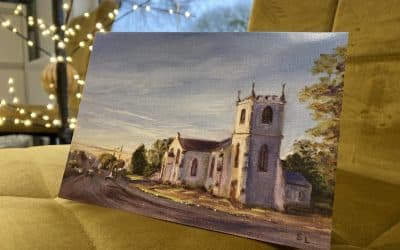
x=97 y=190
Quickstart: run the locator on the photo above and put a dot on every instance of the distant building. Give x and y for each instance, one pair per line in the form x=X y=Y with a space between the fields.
x=245 y=167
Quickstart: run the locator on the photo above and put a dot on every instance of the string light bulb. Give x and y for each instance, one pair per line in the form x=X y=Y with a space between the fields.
x=187 y=14
x=47 y=125
x=45 y=117
x=86 y=14
x=15 y=100
x=30 y=43
x=65 y=6
x=27 y=122
x=10 y=80
x=135 y=7
x=3 y=102
x=148 y=8
x=33 y=115
x=50 y=106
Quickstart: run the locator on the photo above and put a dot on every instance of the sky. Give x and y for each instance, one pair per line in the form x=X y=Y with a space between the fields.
x=145 y=86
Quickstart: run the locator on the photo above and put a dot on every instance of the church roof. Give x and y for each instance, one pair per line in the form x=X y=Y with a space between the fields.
x=198 y=145
x=296 y=179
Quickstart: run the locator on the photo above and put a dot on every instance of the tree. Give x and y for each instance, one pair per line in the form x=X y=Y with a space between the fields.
x=139 y=160
x=316 y=155
x=106 y=160
x=155 y=155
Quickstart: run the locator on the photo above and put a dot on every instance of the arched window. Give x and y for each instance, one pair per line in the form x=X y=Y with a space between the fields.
x=242 y=116
x=178 y=155
x=212 y=167
x=193 y=169
x=237 y=152
x=267 y=115
x=301 y=196
x=263 y=158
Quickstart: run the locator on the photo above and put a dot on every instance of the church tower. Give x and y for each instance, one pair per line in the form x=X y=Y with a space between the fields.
x=256 y=144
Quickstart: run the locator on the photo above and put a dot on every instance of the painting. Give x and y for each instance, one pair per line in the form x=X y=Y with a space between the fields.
x=232 y=132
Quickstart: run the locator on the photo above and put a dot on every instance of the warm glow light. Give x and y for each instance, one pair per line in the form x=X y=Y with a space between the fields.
x=15 y=100
x=10 y=80
x=76 y=77
x=65 y=6
x=90 y=47
x=46 y=117
x=81 y=82
x=50 y=106
x=22 y=111
x=33 y=115
x=47 y=125
x=78 y=95
x=30 y=43
x=5 y=23
x=89 y=36
x=53 y=59
x=3 y=102
x=60 y=59
x=99 y=25
x=11 y=90
x=77 y=27
x=111 y=15
x=86 y=14
x=14 y=30
x=27 y=122
x=68 y=58
x=82 y=44
x=56 y=122
x=61 y=45
x=52 y=97
x=16 y=121
x=72 y=125
x=73 y=120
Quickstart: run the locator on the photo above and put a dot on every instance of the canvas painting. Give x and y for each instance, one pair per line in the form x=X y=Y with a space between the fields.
x=232 y=132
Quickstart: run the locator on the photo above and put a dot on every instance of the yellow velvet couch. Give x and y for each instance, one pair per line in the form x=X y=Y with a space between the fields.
x=367 y=205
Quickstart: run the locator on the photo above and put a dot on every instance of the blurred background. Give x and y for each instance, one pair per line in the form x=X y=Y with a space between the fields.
x=46 y=47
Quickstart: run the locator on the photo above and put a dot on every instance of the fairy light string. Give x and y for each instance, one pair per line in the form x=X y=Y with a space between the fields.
x=42 y=119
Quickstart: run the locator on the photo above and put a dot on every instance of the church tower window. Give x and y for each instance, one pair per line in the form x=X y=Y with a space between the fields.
x=237 y=152
x=178 y=156
x=267 y=115
x=212 y=167
x=193 y=170
x=242 y=116
x=263 y=159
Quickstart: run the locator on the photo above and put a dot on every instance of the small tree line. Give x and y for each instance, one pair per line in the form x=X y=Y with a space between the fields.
x=148 y=161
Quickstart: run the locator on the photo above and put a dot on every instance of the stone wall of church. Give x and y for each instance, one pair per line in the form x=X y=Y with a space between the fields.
x=203 y=159
x=223 y=175
x=297 y=196
x=260 y=185
x=234 y=182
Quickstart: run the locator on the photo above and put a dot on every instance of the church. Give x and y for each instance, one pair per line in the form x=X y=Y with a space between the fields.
x=245 y=167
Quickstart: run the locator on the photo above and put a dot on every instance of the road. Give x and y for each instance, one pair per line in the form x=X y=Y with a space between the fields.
x=97 y=190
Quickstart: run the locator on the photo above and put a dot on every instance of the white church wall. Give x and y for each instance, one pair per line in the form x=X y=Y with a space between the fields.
x=203 y=161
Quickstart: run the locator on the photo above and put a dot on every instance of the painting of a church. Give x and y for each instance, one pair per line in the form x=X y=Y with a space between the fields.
x=245 y=167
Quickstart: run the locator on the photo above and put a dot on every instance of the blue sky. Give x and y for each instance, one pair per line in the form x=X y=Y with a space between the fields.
x=145 y=86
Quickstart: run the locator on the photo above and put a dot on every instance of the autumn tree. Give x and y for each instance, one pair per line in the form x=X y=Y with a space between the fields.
x=139 y=160
x=316 y=155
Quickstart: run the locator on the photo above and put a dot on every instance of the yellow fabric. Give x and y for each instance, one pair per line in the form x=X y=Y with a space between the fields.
x=367 y=205
x=32 y=217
